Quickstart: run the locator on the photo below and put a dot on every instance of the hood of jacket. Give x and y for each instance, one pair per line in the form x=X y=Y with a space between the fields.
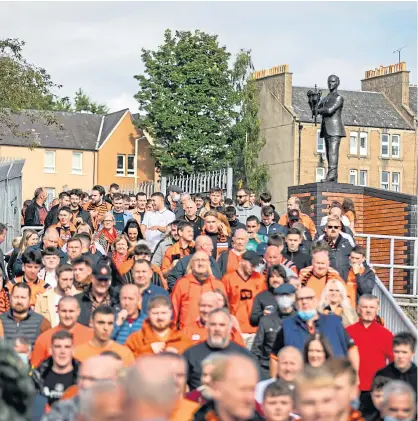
x=45 y=367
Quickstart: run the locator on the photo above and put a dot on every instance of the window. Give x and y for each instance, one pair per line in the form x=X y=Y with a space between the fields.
x=320 y=144
x=363 y=144
x=131 y=165
x=77 y=165
x=320 y=174
x=396 y=146
x=384 y=183
x=50 y=196
x=385 y=146
x=353 y=143
x=353 y=177
x=120 y=166
x=396 y=178
x=49 y=161
x=363 y=178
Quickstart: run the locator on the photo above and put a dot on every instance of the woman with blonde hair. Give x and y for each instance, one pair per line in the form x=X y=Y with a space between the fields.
x=334 y=300
x=29 y=238
x=120 y=249
x=106 y=236
x=218 y=229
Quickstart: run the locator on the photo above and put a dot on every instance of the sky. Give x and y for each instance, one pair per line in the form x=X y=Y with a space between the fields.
x=97 y=45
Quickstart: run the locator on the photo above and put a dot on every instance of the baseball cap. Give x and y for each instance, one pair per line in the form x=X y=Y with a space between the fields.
x=261 y=249
x=102 y=272
x=175 y=189
x=284 y=289
x=293 y=215
x=252 y=257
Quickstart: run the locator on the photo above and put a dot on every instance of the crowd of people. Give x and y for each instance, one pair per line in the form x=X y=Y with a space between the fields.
x=127 y=307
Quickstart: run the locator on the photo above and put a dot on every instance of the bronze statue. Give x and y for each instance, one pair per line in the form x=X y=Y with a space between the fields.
x=332 y=127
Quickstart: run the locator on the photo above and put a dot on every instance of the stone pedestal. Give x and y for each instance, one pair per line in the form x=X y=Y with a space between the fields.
x=379 y=212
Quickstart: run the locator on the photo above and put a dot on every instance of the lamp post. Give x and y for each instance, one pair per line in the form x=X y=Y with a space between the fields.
x=314 y=96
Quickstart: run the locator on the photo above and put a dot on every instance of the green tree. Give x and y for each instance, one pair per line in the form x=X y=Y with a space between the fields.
x=189 y=102
x=83 y=103
x=246 y=132
x=24 y=88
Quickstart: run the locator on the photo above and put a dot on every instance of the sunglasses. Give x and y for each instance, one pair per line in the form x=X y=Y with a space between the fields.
x=239 y=197
x=336 y=227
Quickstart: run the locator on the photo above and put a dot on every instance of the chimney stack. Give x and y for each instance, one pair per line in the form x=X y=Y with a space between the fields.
x=393 y=82
x=279 y=80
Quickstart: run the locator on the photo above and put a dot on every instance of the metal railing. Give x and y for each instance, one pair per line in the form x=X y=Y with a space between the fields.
x=392 y=265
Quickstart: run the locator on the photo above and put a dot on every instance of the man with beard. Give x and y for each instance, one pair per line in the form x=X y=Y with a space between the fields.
x=399 y=402
x=244 y=207
x=158 y=333
x=219 y=326
x=103 y=322
x=47 y=303
x=68 y=312
x=165 y=243
x=97 y=208
x=187 y=291
x=20 y=319
x=79 y=214
x=233 y=384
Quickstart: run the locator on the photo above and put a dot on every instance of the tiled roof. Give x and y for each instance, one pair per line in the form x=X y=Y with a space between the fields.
x=413 y=99
x=79 y=131
x=363 y=109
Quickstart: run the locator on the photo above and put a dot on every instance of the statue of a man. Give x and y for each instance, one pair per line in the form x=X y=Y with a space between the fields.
x=332 y=127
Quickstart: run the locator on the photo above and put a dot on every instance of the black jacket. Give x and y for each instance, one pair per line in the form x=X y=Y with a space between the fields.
x=266 y=335
x=261 y=301
x=197 y=225
x=299 y=258
x=52 y=217
x=86 y=305
x=202 y=414
x=393 y=373
x=236 y=225
x=3 y=266
x=366 y=281
x=45 y=367
x=32 y=217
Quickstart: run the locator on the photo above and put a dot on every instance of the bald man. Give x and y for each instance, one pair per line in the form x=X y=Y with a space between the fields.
x=190 y=210
x=229 y=260
x=295 y=330
x=150 y=388
x=203 y=243
x=128 y=319
x=233 y=384
x=93 y=370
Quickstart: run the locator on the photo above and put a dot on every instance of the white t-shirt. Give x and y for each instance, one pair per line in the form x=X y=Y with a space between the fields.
x=156 y=218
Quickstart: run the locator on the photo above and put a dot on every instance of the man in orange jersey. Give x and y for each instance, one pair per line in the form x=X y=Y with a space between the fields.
x=241 y=288
x=229 y=260
x=187 y=291
x=68 y=312
x=183 y=247
x=197 y=331
x=103 y=322
x=158 y=332
x=317 y=275
x=292 y=204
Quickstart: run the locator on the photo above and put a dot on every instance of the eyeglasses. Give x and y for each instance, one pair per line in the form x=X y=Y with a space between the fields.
x=244 y=195
x=306 y=298
x=336 y=227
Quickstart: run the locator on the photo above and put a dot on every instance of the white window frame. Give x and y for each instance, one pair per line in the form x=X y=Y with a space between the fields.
x=363 y=151
x=365 y=176
x=354 y=174
x=384 y=183
x=120 y=171
x=396 y=187
x=320 y=174
x=49 y=167
x=78 y=170
x=320 y=143
x=131 y=171
x=387 y=142
x=353 y=149
x=398 y=144
x=50 y=195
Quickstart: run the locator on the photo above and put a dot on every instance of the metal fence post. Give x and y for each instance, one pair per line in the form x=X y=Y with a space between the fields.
x=163 y=185
x=392 y=262
x=229 y=182
x=415 y=273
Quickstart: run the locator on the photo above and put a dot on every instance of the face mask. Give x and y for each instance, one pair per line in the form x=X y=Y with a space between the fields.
x=24 y=358
x=389 y=418
x=355 y=404
x=307 y=315
x=176 y=198
x=284 y=301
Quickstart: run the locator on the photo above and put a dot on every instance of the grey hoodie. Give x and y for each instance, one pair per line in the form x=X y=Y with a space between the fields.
x=244 y=213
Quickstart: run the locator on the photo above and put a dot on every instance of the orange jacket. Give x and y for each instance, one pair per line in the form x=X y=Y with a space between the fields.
x=197 y=332
x=186 y=295
x=36 y=288
x=305 y=219
x=140 y=342
x=61 y=240
x=184 y=410
x=241 y=296
x=126 y=266
x=175 y=250
x=310 y=280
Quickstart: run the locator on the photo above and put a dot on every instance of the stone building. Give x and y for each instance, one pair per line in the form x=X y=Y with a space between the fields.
x=380 y=147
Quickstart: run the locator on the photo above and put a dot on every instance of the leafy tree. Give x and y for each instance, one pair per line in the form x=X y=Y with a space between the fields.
x=246 y=131
x=189 y=102
x=83 y=103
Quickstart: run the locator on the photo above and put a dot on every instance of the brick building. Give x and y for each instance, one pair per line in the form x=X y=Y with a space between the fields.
x=380 y=147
